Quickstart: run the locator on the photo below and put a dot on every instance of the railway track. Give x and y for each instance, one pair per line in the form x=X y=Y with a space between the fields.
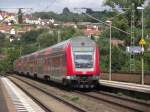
x=46 y=108
x=120 y=101
x=99 y=96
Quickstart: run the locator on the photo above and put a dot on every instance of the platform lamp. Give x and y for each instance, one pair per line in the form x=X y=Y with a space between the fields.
x=110 y=23
x=142 y=60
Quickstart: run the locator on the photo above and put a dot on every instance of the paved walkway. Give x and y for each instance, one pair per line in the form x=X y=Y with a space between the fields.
x=128 y=86
x=3 y=105
x=20 y=100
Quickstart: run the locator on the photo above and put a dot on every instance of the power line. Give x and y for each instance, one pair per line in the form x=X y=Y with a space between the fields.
x=54 y=1
x=104 y=22
x=107 y=24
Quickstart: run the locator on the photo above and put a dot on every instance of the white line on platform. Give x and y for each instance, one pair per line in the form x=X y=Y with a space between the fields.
x=129 y=86
x=22 y=102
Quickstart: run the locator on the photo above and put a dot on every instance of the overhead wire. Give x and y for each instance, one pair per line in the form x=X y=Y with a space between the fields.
x=104 y=22
x=54 y=1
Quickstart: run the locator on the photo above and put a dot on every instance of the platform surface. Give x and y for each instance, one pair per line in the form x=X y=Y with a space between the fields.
x=21 y=101
x=13 y=99
x=3 y=105
x=128 y=86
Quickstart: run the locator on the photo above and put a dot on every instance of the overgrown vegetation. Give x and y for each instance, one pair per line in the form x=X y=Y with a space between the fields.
x=41 y=38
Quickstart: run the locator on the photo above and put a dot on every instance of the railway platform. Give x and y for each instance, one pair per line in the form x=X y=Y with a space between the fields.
x=13 y=99
x=126 y=86
x=3 y=104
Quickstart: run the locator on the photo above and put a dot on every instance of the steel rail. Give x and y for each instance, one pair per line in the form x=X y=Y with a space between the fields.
x=79 y=109
x=145 y=106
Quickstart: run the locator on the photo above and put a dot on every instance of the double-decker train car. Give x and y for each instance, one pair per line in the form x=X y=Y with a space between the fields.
x=74 y=62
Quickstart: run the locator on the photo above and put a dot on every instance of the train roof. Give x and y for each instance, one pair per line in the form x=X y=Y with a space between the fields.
x=62 y=44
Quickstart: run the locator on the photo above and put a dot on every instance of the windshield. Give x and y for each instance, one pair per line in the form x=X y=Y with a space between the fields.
x=83 y=60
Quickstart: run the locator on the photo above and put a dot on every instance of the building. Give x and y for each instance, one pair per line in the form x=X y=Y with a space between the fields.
x=8 y=17
x=117 y=42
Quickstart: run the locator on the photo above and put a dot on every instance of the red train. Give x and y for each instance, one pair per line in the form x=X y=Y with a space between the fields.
x=73 y=62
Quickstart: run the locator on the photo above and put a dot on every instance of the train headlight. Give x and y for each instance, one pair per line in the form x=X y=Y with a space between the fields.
x=68 y=77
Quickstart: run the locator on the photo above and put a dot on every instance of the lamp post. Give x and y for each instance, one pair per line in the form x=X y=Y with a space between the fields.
x=20 y=48
x=58 y=38
x=39 y=46
x=110 y=23
x=142 y=60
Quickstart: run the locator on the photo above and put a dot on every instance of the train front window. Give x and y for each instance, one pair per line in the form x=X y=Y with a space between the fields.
x=83 y=60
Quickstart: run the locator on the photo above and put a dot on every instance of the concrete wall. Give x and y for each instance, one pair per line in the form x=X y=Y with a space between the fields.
x=135 y=78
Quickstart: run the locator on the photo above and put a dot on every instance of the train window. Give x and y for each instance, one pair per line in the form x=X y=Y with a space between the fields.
x=64 y=60
x=83 y=59
x=83 y=49
x=55 y=61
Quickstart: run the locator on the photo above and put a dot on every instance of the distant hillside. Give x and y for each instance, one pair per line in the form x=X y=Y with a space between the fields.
x=66 y=15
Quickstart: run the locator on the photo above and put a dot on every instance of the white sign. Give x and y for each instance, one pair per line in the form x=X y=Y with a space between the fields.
x=12 y=31
x=134 y=49
x=1 y=18
x=52 y=20
x=11 y=40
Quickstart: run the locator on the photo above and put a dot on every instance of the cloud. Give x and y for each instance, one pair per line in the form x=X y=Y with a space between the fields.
x=94 y=4
x=52 y=5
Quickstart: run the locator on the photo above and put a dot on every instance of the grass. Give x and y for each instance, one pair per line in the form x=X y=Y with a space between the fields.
x=71 y=98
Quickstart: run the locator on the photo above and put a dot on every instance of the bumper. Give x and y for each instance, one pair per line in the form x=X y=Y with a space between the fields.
x=83 y=81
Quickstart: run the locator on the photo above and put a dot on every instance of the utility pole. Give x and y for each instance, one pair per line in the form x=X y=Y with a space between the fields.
x=142 y=44
x=110 y=52
x=142 y=50
x=59 y=37
x=132 y=60
x=39 y=46
x=110 y=74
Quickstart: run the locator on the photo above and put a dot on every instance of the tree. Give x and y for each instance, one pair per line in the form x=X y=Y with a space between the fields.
x=147 y=20
x=89 y=11
x=119 y=59
x=28 y=48
x=104 y=53
x=67 y=15
x=147 y=62
x=31 y=36
x=3 y=66
x=127 y=4
x=20 y=20
x=7 y=63
x=67 y=33
x=66 y=11
x=47 y=39
x=2 y=40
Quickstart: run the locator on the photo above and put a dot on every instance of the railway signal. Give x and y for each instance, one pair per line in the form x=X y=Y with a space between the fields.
x=142 y=42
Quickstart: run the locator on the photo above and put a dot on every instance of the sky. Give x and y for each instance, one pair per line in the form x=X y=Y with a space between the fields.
x=51 y=5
